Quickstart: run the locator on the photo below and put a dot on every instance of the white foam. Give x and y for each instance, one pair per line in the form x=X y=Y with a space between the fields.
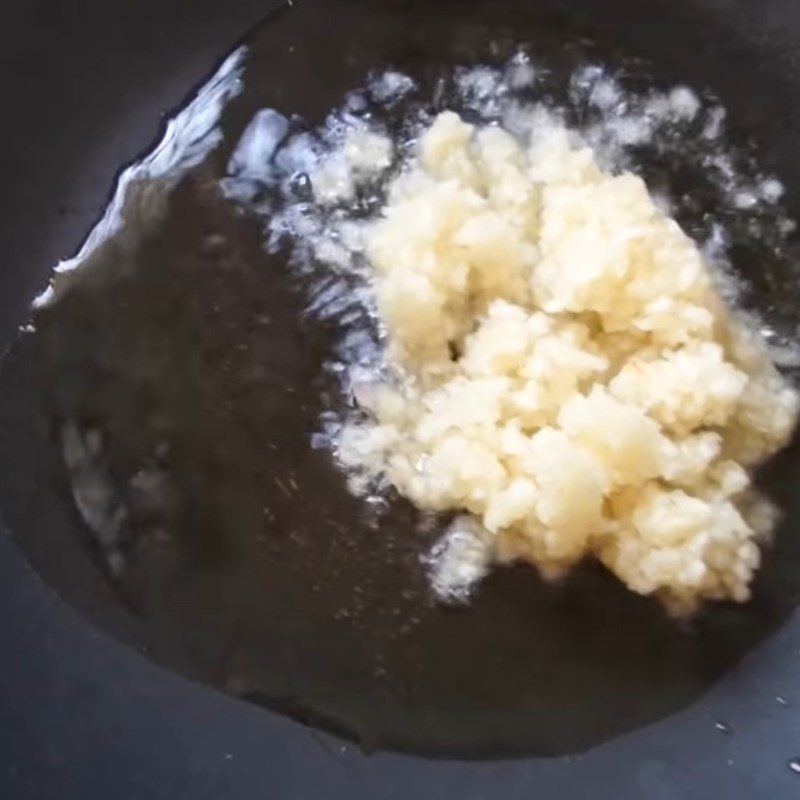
x=684 y=104
x=605 y=94
x=715 y=122
x=390 y=86
x=520 y=72
x=483 y=88
x=771 y=190
x=253 y=154
x=459 y=560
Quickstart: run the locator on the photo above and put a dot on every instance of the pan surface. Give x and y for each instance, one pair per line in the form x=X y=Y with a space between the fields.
x=575 y=667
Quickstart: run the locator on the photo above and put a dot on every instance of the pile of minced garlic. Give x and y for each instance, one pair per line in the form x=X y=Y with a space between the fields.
x=562 y=369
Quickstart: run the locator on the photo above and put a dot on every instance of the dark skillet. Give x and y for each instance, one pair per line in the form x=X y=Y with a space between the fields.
x=267 y=610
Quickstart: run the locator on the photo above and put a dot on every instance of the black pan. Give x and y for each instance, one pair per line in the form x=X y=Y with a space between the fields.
x=358 y=685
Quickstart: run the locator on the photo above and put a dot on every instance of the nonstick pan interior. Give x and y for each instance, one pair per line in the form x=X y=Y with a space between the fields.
x=181 y=369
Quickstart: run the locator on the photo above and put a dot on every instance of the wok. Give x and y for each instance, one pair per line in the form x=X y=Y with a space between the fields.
x=575 y=689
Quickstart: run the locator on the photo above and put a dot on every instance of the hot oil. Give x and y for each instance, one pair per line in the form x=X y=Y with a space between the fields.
x=174 y=389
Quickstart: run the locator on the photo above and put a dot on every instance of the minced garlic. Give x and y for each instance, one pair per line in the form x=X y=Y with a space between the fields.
x=563 y=369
